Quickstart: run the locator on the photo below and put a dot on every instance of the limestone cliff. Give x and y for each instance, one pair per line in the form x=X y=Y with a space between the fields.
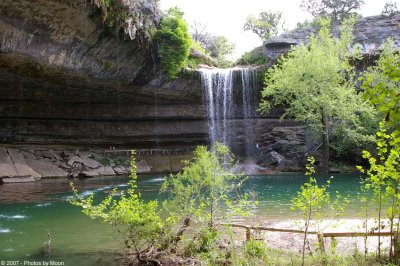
x=67 y=83
x=370 y=33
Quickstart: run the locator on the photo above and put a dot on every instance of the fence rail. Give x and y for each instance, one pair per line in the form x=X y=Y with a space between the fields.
x=320 y=235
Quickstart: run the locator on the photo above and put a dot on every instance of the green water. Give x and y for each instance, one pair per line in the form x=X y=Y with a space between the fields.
x=29 y=211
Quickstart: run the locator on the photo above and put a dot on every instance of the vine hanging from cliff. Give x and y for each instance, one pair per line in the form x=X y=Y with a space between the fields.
x=138 y=18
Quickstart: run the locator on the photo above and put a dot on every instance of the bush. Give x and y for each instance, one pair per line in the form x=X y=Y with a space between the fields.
x=249 y=58
x=255 y=249
x=173 y=44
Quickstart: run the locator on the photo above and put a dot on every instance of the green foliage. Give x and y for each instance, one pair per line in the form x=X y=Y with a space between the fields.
x=265 y=25
x=139 y=222
x=383 y=178
x=173 y=43
x=249 y=58
x=312 y=200
x=219 y=47
x=316 y=85
x=390 y=9
x=337 y=10
x=381 y=85
x=206 y=189
x=254 y=249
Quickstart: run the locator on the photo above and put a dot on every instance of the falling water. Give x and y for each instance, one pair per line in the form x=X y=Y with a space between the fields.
x=249 y=101
x=224 y=105
x=217 y=84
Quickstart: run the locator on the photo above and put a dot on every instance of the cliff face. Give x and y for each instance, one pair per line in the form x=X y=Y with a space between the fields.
x=63 y=81
x=370 y=34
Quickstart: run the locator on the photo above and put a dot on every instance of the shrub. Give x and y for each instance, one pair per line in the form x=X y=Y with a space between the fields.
x=174 y=42
x=249 y=58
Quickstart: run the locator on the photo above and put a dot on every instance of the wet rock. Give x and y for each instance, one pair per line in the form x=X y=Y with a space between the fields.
x=276 y=157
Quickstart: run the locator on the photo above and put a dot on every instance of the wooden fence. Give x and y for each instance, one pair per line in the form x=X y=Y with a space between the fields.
x=320 y=235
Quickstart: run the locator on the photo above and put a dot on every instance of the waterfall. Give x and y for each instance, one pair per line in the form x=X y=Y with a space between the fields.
x=249 y=103
x=229 y=103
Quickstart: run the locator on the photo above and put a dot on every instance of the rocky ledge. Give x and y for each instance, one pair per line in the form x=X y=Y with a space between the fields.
x=28 y=164
x=370 y=33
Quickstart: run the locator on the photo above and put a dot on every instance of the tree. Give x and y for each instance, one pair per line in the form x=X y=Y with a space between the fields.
x=337 y=10
x=219 y=47
x=200 y=191
x=139 y=222
x=381 y=86
x=265 y=25
x=312 y=200
x=390 y=9
x=173 y=41
x=316 y=85
x=199 y=33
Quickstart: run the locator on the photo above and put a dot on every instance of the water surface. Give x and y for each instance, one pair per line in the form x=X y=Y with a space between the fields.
x=29 y=211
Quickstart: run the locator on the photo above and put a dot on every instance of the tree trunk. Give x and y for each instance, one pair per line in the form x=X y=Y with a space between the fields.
x=325 y=142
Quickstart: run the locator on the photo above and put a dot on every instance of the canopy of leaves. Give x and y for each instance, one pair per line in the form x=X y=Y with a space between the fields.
x=220 y=47
x=390 y=9
x=139 y=222
x=265 y=25
x=173 y=43
x=200 y=191
x=382 y=85
x=316 y=82
x=337 y=10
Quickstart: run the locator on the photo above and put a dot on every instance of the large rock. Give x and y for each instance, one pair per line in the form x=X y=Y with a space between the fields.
x=142 y=167
x=46 y=169
x=105 y=171
x=23 y=172
x=370 y=33
x=90 y=163
x=7 y=168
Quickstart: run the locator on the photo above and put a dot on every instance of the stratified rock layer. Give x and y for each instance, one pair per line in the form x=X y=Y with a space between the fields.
x=370 y=34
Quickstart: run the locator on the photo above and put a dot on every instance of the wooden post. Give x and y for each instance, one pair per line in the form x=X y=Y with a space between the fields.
x=248 y=233
x=321 y=243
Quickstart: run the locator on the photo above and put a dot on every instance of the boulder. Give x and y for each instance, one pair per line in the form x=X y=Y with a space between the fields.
x=7 y=168
x=276 y=157
x=120 y=170
x=105 y=170
x=88 y=174
x=90 y=163
x=74 y=159
x=288 y=166
x=46 y=169
x=142 y=167
x=17 y=170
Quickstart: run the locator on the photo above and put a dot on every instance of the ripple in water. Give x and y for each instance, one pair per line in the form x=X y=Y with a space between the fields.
x=4 y=230
x=42 y=205
x=13 y=217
